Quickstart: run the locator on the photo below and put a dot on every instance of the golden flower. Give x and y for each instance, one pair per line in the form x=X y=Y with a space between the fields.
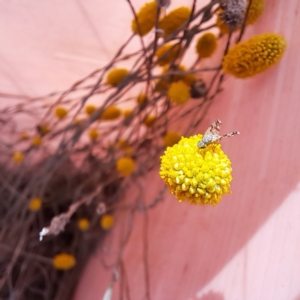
x=24 y=136
x=90 y=109
x=254 y=56
x=141 y=99
x=125 y=166
x=179 y=92
x=149 y=120
x=107 y=221
x=93 y=134
x=18 y=157
x=35 y=204
x=61 y=112
x=64 y=261
x=43 y=129
x=199 y=176
x=110 y=113
x=83 y=224
x=115 y=76
x=167 y=53
x=146 y=17
x=36 y=141
x=173 y=20
x=127 y=112
x=206 y=45
x=171 y=138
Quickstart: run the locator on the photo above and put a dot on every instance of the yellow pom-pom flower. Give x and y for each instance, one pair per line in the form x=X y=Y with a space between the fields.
x=167 y=53
x=141 y=99
x=107 y=221
x=35 y=204
x=171 y=138
x=254 y=56
x=149 y=120
x=179 y=92
x=90 y=109
x=111 y=113
x=36 y=141
x=115 y=76
x=127 y=113
x=93 y=134
x=206 y=45
x=18 y=157
x=199 y=176
x=172 y=21
x=24 y=136
x=61 y=112
x=43 y=129
x=146 y=17
x=125 y=166
x=83 y=224
x=64 y=261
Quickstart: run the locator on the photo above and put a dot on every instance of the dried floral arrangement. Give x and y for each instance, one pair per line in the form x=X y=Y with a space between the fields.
x=63 y=175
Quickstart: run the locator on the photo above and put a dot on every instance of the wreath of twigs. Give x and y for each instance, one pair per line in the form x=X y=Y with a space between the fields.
x=75 y=177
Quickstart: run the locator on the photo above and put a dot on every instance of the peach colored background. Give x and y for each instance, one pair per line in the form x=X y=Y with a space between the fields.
x=248 y=247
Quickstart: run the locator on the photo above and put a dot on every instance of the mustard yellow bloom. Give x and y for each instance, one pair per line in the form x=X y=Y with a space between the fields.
x=141 y=99
x=171 y=138
x=83 y=224
x=36 y=141
x=146 y=17
x=93 y=134
x=110 y=113
x=35 y=204
x=167 y=53
x=18 y=157
x=173 y=20
x=115 y=76
x=61 y=112
x=199 y=176
x=107 y=221
x=254 y=56
x=179 y=92
x=149 y=120
x=43 y=129
x=206 y=45
x=24 y=136
x=125 y=166
x=64 y=261
x=127 y=113
x=90 y=109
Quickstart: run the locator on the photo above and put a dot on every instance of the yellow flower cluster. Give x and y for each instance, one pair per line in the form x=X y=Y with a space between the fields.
x=125 y=166
x=127 y=113
x=93 y=134
x=146 y=17
x=36 y=141
x=110 y=113
x=35 y=204
x=18 y=157
x=83 y=224
x=107 y=221
x=115 y=76
x=90 y=109
x=167 y=53
x=179 y=92
x=172 y=21
x=206 y=45
x=142 y=99
x=61 y=112
x=171 y=138
x=64 y=261
x=254 y=56
x=199 y=176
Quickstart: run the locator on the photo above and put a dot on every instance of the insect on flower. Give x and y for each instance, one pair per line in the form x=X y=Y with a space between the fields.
x=212 y=134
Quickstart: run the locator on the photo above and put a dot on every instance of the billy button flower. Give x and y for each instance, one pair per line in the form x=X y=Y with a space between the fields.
x=167 y=53
x=35 y=204
x=142 y=99
x=24 y=136
x=60 y=112
x=107 y=221
x=146 y=17
x=115 y=76
x=173 y=20
x=171 y=138
x=93 y=134
x=110 y=113
x=127 y=113
x=125 y=166
x=18 y=157
x=90 y=109
x=36 y=141
x=254 y=56
x=198 y=176
x=83 y=224
x=43 y=129
x=206 y=45
x=179 y=92
x=149 y=121
x=63 y=261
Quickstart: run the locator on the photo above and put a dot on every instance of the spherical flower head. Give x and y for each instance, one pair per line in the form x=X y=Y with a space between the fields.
x=90 y=109
x=83 y=224
x=149 y=120
x=35 y=204
x=171 y=138
x=167 y=53
x=64 y=261
x=172 y=21
x=18 y=157
x=125 y=166
x=206 y=45
x=43 y=129
x=142 y=99
x=110 y=113
x=24 y=136
x=146 y=17
x=115 y=76
x=127 y=113
x=60 y=112
x=107 y=221
x=254 y=56
x=93 y=134
x=179 y=92
x=199 y=176
x=36 y=141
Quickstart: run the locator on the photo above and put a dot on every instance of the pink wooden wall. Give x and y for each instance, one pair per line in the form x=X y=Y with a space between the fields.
x=248 y=247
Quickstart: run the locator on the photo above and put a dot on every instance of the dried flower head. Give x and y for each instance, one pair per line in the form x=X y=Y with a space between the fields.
x=127 y=113
x=35 y=204
x=199 y=176
x=90 y=109
x=171 y=138
x=83 y=224
x=36 y=141
x=115 y=76
x=93 y=134
x=125 y=166
x=149 y=120
x=64 y=261
x=255 y=11
x=60 y=112
x=142 y=99
x=107 y=221
x=206 y=45
x=167 y=53
x=179 y=92
x=18 y=157
x=254 y=56
x=24 y=136
x=43 y=129
x=111 y=113
x=173 y=20
x=146 y=17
